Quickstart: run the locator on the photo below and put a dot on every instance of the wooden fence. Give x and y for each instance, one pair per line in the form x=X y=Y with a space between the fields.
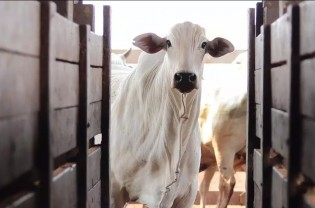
x=281 y=120
x=54 y=98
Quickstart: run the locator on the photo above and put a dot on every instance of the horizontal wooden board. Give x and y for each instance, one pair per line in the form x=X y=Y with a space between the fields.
x=279 y=187
x=95 y=85
x=94 y=196
x=19 y=84
x=258 y=86
x=66 y=37
x=257 y=166
x=280 y=87
x=280 y=32
x=258 y=51
x=20 y=27
x=307 y=89
x=64 y=130
x=280 y=131
x=307 y=31
x=96 y=49
x=64 y=85
x=64 y=186
x=259 y=121
x=20 y=200
x=308 y=144
x=94 y=120
x=93 y=167
x=17 y=144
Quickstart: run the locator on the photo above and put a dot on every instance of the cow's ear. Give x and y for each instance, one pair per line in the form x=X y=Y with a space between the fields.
x=219 y=47
x=149 y=42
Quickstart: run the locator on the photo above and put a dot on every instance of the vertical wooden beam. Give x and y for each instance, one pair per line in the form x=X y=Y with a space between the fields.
x=105 y=163
x=65 y=8
x=82 y=140
x=251 y=141
x=259 y=17
x=266 y=118
x=294 y=196
x=45 y=161
x=84 y=14
x=271 y=11
x=284 y=4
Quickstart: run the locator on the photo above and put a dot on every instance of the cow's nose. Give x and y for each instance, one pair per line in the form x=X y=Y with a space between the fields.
x=185 y=82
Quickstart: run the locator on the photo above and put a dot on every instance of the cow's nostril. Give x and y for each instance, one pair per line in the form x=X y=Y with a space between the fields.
x=192 y=77
x=177 y=77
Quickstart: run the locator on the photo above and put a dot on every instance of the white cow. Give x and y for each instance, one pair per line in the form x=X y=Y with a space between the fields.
x=223 y=123
x=154 y=135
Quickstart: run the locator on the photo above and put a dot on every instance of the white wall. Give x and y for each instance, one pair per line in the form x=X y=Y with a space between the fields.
x=226 y=19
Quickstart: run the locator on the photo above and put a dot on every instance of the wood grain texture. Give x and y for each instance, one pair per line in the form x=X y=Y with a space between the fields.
x=307 y=31
x=93 y=169
x=64 y=186
x=280 y=132
x=280 y=39
x=64 y=130
x=279 y=187
x=94 y=120
x=20 y=27
x=96 y=49
x=19 y=84
x=280 y=87
x=64 y=85
x=307 y=89
x=66 y=35
x=17 y=146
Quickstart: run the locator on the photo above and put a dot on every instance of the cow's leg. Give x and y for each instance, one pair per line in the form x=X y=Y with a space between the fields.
x=189 y=198
x=119 y=196
x=205 y=183
x=225 y=158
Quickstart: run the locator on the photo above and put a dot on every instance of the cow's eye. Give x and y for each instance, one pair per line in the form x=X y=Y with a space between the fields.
x=169 y=44
x=203 y=45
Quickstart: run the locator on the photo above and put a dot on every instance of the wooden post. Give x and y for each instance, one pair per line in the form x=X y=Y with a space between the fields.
x=84 y=14
x=259 y=17
x=105 y=163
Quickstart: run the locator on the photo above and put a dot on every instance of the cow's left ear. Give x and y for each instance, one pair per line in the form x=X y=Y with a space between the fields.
x=219 y=47
x=149 y=42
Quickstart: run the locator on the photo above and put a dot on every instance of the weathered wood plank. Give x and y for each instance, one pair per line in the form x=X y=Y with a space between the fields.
x=83 y=14
x=259 y=121
x=17 y=144
x=280 y=39
x=307 y=31
x=94 y=122
x=20 y=200
x=257 y=197
x=280 y=131
x=64 y=186
x=96 y=51
x=280 y=86
x=64 y=130
x=19 y=84
x=307 y=89
x=66 y=35
x=20 y=27
x=258 y=87
x=95 y=85
x=258 y=168
x=65 y=85
x=65 y=8
x=93 y=169
x=308 y=144
x=279 y=187
x=258 y=51
x=94 y=196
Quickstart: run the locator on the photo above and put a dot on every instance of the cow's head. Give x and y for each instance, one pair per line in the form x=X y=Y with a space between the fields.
x=186 y=46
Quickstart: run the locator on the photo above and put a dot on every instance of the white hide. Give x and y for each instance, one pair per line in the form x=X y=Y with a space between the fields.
x=154 y=135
